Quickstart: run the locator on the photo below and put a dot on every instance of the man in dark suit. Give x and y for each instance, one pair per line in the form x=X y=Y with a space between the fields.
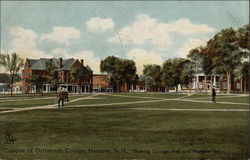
x=213 y=95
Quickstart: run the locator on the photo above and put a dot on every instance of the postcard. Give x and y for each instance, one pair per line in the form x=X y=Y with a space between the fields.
x=124 y=80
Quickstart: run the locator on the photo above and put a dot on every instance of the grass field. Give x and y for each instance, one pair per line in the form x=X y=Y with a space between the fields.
x=125 y=126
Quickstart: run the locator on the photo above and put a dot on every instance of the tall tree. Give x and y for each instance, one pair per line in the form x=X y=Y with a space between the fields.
x=128 y=72
x=243 y=37
x=13 y=64
x=79 y=74
x=37 y=81
x=152 y=75
x=245 y=74
x=197 y=57
x=174 y=72
x=167 y=74
x=227 y=55
x=120 y=71
x=52 y=76
x=187 y=74
x=203 y=60
x=109 y=65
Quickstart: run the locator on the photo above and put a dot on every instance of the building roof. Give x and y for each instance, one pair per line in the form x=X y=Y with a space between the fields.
x=40 y=64
x=88 y=68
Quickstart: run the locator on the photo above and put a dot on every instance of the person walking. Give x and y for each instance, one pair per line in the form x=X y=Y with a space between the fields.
x=60 y=98
x=213 y=95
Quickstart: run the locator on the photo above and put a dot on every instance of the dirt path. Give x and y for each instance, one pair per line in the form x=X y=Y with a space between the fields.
x=54 y=106
x=30 y=99
x=190 y=109
x=218 y=97
x=181 y=99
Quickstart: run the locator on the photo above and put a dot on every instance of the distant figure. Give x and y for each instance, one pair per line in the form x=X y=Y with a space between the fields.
x=213 y=95
x=60 y=98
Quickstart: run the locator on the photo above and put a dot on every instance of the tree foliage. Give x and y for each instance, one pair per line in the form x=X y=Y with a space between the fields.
x=177 y=71
x=37 y=81
x=13 y=64
x=120 y=71
x=52 y=76
x=223 y=53
x=5 y=78
x=152 y=75
x=80 y=74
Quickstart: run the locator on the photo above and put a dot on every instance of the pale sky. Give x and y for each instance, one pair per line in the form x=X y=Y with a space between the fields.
x=147 y=32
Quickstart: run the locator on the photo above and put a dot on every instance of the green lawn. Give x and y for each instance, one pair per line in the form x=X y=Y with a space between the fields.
x=226 y=99
x=175 y=135
x=32 y=101
x=156 y=95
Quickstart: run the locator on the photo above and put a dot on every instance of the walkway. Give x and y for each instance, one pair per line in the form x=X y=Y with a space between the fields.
x=54 y=106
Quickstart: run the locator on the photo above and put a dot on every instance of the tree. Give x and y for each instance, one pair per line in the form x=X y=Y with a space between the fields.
x=128 y=72
x=79 y=74
x=175 y=72
x=109 y=65
x=13 y=64
x=152 y=76
x=37 y=81
x=202 y=58
x=52 y=77
x=196 y=57
x=167 y=74
x=227 y=55
x=5 y=78
x=187 y=73
x=243 y=37
x=245 y=73
x=120 y=71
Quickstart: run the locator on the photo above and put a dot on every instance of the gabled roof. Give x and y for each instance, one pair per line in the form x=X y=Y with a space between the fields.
x=40 y=64
x=67 y=64
x=32 y=61
x=89 y=69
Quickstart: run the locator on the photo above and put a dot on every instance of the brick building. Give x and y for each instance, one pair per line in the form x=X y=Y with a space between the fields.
x=100 y=83
x=64 y=67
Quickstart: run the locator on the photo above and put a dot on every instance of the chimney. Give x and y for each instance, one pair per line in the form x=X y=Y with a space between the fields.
x=82 y=62
x=60 y=62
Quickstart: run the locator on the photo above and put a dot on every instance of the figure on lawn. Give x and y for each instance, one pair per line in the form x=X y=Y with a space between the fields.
x=213 y=95
x=62 y=95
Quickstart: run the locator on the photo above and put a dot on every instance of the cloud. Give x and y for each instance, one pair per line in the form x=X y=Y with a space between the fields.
x=146 y=29
x=184 y=26
x=61 y=52
x=24 y=43
x=62 y=35
x=89 y=59
x=99 y=25
x=23 y=38
x=191 y=44
x=142 y=57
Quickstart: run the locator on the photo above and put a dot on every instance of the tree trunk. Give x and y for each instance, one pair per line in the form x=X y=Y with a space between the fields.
x=125 y=85
x=176 y=87
x=228 y=83
x=241 y=85
x=11 y=84
x=245 y=86
x=117 y=88
x=205 y=84
x=211 y=84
